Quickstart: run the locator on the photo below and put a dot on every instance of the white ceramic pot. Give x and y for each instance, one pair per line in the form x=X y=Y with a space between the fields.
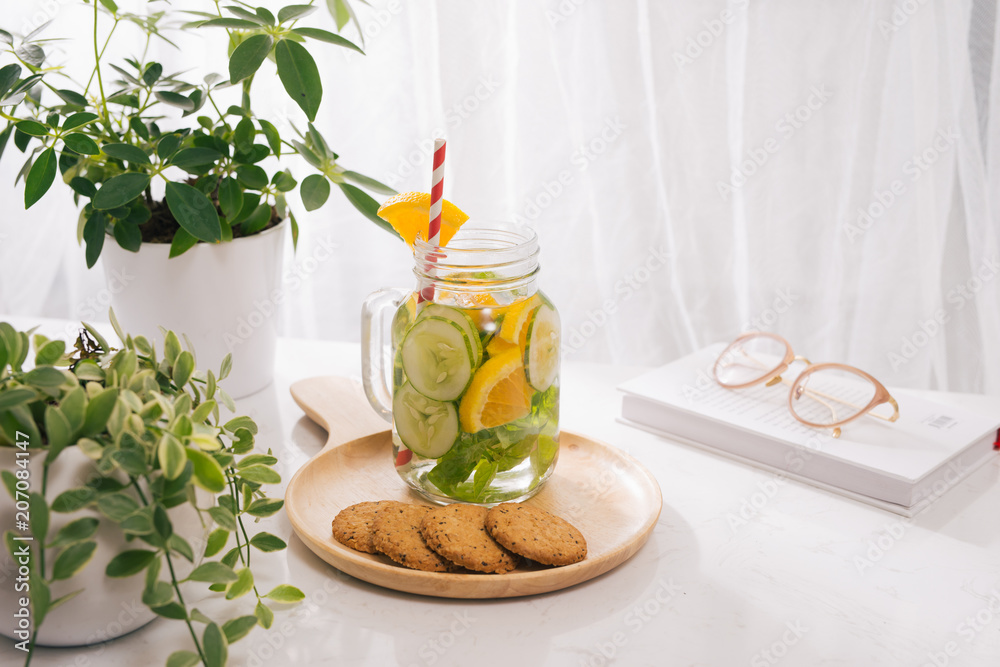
x=224 y=296
x=107 y=608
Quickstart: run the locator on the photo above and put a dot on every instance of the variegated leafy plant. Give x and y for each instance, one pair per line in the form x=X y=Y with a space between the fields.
x=152 y=427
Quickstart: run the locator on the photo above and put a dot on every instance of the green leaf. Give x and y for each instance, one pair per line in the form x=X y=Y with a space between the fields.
x=248 y=56
x=99 y=411
x=72 y=97
x=93 y=236
x=242 y=585
x=32 y=128
x=195 y=157
x=214 y=646
x=46 y=376
x=257 y=220
x=57 y=430
x=117 y=506
x=126 y=152
x=194 y=212
x=73 y=499
x=265 y=15
x=50 y=353
x=179 y=545
x=120 y=190
x=230 y=196
x=39 y=511
x=161 y=522
x=152 y=73
x=84 y=187
x=315 y=190
x=285 y=593
x=226 y=22
x=272 y=136
x=128 y=563
x=328 y=37
x=243 y=135
x=75 y=531
x=339 y=11
x=265 y=617
x=10 y=398
x=110 y=6
x=183 y=368
x=213 y=573
x=217 y=540
x=40 y=177
x=207 y=471
x=183 y=659
x=368 y=183
x=168 y=145
x=81 y=143
x=182 y=243
x=41 y=597
x=299 y=75
x=366 y=205
x=238 y=628
x=252 y=176
x=9 y=75
x=267 y=542
x=175 y=100
x=291 y=12
x=129 y=236
x=72 y=559
x=171 y=610
x=237 y=423
x=260 y=474
x=171 y=456
x=78 y=119
x=264 y=507
x=159 y=595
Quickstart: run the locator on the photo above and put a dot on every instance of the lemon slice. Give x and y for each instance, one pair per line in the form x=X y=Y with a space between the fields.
x=408 y=214
x=498 y=394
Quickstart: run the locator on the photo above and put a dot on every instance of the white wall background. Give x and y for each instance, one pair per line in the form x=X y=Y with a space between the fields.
x=826 y=170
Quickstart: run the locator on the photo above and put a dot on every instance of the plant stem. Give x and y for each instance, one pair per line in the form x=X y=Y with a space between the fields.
x=180 y=598
x=97 y=70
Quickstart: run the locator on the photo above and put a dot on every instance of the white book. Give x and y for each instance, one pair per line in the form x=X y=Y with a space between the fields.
x=901 y=466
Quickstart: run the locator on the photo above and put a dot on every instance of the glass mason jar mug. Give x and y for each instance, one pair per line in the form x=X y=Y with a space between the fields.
x=474 y=354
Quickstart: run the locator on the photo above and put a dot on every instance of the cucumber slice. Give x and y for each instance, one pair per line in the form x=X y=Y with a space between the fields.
x=398 y=376
x=541 y=351
x=428 y=427
x=403 y=318
x=437 y=358
x=462 y=319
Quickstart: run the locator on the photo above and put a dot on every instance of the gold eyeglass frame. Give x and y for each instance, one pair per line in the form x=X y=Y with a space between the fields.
x=798 y=388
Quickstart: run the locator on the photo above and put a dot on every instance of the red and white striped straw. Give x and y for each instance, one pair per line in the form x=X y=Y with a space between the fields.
x=437 y=202
x=437 y=193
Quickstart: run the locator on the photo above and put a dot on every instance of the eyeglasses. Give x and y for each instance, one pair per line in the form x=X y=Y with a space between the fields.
x=822 y=396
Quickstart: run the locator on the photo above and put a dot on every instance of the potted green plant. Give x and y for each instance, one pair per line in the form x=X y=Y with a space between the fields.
x=168 y=168
x=123 y=482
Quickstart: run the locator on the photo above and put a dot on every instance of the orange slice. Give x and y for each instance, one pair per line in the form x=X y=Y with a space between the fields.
x=498 y=394
x=515 y=323
x=408 y=214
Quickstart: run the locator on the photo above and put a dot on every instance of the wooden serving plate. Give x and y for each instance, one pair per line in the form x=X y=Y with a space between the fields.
x=607 y=494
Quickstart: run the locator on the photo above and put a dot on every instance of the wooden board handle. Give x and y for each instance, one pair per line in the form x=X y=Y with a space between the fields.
x=339 y=405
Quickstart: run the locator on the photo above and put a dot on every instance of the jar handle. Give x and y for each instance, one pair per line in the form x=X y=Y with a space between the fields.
x=374 y=348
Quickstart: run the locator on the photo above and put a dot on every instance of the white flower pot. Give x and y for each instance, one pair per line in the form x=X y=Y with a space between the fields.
x=224 y=296
x=107 y=608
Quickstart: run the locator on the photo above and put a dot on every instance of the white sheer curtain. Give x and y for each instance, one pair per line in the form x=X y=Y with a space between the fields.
x=826 y=170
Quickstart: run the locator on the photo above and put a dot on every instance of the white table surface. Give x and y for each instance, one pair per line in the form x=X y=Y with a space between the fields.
x=809 y=578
